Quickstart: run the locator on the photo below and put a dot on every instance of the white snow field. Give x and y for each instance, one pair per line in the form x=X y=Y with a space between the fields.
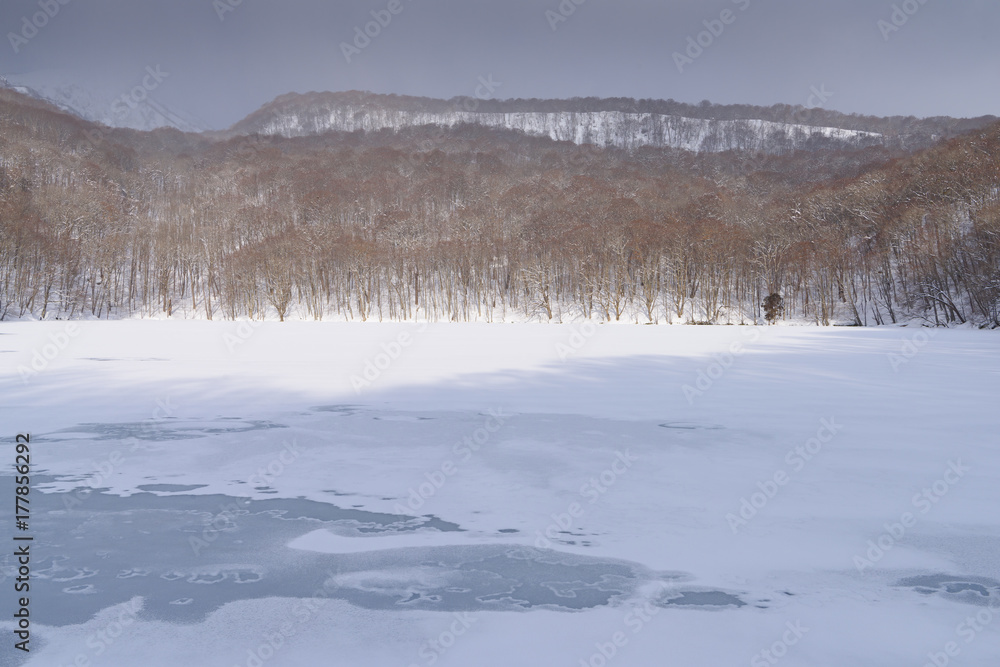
x=368 y=495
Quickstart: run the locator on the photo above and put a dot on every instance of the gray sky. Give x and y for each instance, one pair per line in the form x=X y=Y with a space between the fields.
x=944 y=59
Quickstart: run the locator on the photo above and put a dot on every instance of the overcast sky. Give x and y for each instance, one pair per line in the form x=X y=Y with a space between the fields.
x=225 y=59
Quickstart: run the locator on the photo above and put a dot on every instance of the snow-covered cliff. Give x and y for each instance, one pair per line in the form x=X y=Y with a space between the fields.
x=603 y=128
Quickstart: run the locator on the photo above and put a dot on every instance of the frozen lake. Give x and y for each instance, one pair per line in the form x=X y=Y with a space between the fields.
x=368 y=494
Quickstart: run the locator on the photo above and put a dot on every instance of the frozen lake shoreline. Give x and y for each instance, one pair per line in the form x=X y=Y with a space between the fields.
x=724 y=491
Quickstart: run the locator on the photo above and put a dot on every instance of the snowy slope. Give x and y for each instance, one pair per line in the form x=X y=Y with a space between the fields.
x=628 y=458
x=603 y=128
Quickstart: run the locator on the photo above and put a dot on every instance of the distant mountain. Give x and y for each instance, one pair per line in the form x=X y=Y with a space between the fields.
x=620 y=122
x=302 y=115
x=106 y=105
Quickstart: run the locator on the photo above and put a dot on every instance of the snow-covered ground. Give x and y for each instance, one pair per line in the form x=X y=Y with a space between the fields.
x=226 y=494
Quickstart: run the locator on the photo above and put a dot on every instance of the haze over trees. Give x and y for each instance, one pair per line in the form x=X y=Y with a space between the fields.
x=474 y=223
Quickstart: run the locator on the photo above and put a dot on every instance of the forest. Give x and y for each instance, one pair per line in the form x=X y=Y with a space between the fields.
x=478 y=224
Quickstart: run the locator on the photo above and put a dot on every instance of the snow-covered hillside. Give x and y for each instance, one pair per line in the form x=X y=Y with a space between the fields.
x=296 y=117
